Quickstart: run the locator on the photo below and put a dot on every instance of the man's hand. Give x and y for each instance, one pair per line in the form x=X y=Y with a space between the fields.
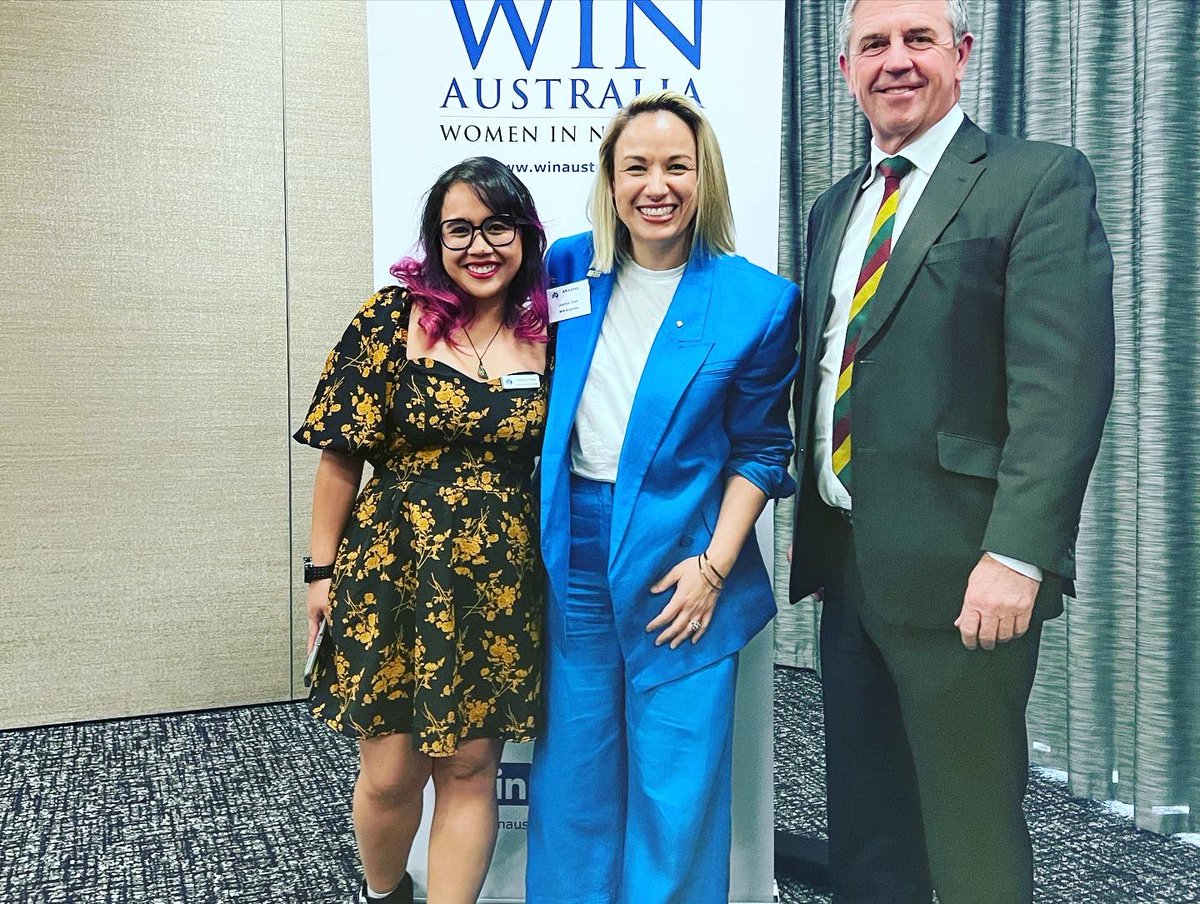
x=997 y=605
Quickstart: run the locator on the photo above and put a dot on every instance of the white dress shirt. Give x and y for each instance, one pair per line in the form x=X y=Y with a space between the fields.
x=635 y=311
x=925 y=153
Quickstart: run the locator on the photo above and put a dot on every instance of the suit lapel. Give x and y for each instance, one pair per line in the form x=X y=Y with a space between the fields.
x=575 y=345
x=818 y=281
x=675 y=356
x=818 y=284
x=956 y=173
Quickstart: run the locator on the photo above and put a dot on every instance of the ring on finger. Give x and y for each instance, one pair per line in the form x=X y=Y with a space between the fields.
x=694 y=625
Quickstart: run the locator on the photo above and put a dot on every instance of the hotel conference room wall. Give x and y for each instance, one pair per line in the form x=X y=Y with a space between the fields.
x=187 y=229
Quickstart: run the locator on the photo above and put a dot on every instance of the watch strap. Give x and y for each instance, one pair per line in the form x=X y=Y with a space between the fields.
x=316 y=572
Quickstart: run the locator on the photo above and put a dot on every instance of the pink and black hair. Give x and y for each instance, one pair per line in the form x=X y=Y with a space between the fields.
x=445 y=308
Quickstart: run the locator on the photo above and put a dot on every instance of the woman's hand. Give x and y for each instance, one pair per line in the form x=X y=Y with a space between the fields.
x=334 y=489
x=318 y=608
x=697 y=583
x=690 y=605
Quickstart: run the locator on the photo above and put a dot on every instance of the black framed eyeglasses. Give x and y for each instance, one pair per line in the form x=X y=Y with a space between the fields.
x=497 y=231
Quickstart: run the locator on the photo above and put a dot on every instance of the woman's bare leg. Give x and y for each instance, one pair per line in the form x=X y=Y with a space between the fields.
x=463 y=834
x=387 y=806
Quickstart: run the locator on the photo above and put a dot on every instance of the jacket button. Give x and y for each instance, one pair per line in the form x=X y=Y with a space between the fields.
x=685 y=540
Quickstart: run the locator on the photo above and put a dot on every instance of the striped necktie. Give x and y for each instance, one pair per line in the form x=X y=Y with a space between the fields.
x=879 y=249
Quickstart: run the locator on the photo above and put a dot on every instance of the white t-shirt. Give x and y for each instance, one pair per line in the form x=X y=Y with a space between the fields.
x=635 y=312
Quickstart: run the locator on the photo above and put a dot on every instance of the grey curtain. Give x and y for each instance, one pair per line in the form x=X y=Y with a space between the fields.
x=1117 y=701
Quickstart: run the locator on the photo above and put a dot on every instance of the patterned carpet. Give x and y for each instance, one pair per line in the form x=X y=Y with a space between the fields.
x=1085 y=854
x=245 y=805
x=252 y=805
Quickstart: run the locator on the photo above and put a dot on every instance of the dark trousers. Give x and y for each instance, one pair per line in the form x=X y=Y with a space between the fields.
x=925 y=749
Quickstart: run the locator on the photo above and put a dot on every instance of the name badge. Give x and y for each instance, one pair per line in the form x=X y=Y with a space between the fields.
x=569 y=301
x=521 y=381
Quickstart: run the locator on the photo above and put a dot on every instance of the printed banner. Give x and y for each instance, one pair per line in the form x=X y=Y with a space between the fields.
x=533 y=83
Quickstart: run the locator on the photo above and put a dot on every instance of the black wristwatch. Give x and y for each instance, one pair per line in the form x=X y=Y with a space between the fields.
x=316 y=572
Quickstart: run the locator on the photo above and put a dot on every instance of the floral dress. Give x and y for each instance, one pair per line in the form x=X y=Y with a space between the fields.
x=436 y=599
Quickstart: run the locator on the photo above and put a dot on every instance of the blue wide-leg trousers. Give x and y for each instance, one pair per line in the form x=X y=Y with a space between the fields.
x=630 y=789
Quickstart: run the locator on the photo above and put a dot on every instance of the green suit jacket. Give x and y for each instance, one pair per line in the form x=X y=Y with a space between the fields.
x=981 y=381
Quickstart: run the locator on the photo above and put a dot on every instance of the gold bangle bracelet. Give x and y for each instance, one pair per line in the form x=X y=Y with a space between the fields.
x=708 y=562
x=700 y=568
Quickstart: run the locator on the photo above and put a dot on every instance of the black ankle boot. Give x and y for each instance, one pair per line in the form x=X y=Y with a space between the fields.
x=401 y=894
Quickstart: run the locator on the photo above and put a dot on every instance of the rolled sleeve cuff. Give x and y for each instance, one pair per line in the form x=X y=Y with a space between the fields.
x=775 y=482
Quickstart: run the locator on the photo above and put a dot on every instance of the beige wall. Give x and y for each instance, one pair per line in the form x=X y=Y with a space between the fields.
x=186 y=197
x=329 y=223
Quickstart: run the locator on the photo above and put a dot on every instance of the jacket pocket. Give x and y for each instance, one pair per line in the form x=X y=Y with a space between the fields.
x=713 y=369
x=963 y=249
x=966 y=455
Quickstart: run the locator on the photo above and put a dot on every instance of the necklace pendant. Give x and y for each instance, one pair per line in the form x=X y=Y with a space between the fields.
x=483 y=374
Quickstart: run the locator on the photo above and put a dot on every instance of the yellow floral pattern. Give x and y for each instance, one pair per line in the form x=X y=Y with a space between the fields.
x=436 y=600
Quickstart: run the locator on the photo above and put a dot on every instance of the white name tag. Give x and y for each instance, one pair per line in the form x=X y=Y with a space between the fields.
x=521 y=381
x=572 y=300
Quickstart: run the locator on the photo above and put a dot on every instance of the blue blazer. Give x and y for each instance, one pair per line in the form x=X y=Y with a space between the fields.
x=712 y=402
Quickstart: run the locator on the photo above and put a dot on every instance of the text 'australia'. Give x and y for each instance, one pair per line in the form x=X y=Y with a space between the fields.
x=554 y=93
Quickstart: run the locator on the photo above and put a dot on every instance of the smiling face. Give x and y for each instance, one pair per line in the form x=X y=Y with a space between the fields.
x=903 y=67
x=482 y=272
x=654 y=187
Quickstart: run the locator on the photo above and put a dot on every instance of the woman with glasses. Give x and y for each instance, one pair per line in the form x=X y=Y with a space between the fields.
x=667 y=434
x=429 y=579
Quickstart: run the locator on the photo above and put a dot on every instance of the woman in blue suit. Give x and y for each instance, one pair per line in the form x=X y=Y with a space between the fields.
x=667 y=433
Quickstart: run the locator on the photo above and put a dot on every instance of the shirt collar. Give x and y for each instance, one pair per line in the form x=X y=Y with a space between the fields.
x=926 y=152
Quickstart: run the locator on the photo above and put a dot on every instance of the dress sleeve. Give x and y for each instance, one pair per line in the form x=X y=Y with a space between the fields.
x=349 y=408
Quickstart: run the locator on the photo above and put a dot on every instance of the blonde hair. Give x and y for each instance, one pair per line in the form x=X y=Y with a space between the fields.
x=712 y=229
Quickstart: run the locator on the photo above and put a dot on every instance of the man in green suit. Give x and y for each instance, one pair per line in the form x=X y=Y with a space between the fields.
x=958 y=366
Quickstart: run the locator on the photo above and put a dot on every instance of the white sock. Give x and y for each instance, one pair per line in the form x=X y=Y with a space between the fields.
x=372 y=893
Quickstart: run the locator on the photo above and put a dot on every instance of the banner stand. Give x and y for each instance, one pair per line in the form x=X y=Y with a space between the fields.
x=533 y=83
